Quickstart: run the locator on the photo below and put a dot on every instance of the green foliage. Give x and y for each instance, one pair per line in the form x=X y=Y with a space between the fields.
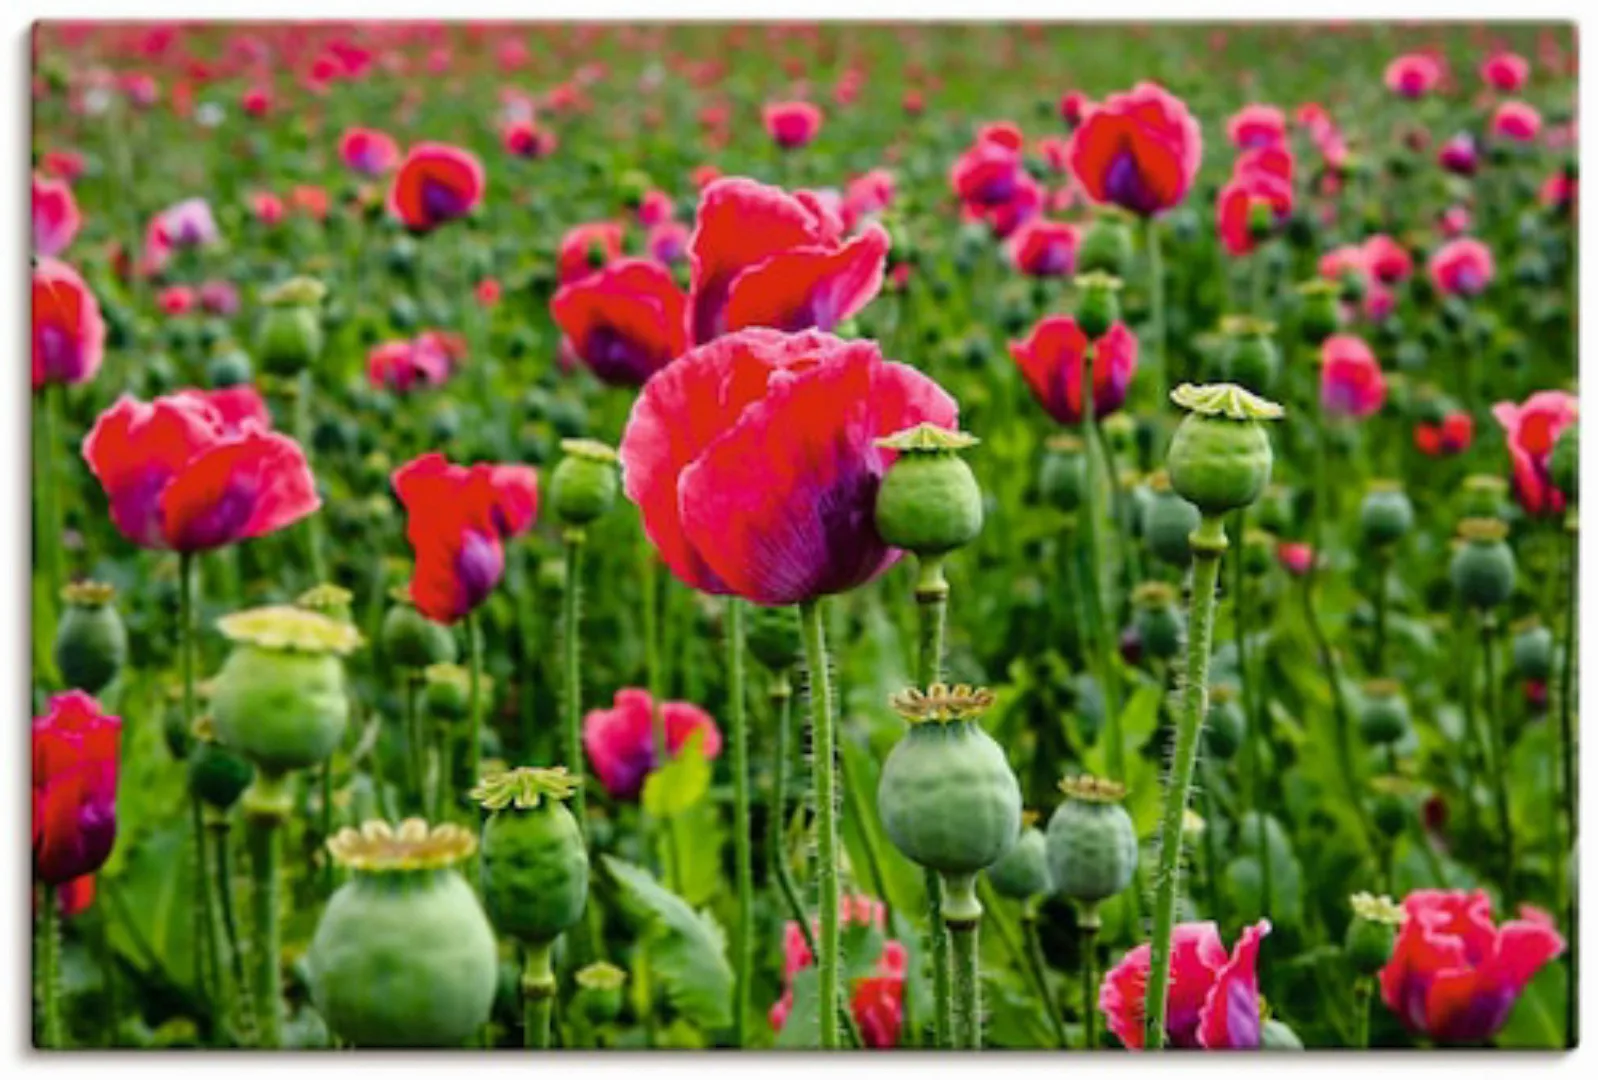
x=687 y=949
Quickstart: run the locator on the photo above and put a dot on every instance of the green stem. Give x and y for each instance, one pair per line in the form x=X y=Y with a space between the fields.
x=302 y=434
x=267 y=805
x=474 y=707
x=1258 y=739
x=538 y=994
x=1340 y=715
x=1209 y=542
x=1565 y=899
x=52 y=1036
x=1494 y=723
x=962 y=914
x=1040 y=974
x=47 y=531
x=1156 y=271
x=325 y=779
x=222 y=969
x=1088 y=934
x=415 y=758
x=571 y=673
x=1362 y=1013
x=738 y=730
x=826 y=796
x=932 y=606
x=206 y=947
x=1131 y=568
x=1093 y=597
x=1379 y=644
x=244 y=1013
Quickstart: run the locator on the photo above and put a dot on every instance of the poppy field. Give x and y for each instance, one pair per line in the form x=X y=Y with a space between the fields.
x=804 y=536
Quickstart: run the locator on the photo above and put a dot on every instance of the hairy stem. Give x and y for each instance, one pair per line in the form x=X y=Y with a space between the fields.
x=571 y=673
x=1040 y=973
x=48 y=974
x=932 y=606
x=962 y=914
x=1088 y=933
x=267 y=805
x=1569 y=794
x=738 y=730
x=826 y=796
x=1493 y=720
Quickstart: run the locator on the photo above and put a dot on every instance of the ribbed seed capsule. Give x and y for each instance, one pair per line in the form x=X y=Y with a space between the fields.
x=1483 y=567
x=1220 y=456
x=91 y=642
x=1092 y=845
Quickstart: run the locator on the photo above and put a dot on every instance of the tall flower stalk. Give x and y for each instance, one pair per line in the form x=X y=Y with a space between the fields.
x=824 y=774
x=743 y=939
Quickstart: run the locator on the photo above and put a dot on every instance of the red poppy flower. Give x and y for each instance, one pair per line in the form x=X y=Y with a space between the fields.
x=1051 y=359
x=763 y=257
x=1462 y=267
x=1505 y=71
x=64 y=165
x=401 y=367
x=525 y=139
x=1413 y=75
x=792 y=124
x=488 y=292
x=1352 y=383
x=75 y=896
x=626 y=321
x=1388 y=260
x=238 y=408
x=256 y=101
x=1139 y=150
x=1274 y=161
x=585 y=248
x=1516 y=121
x=74 y=788
x=1213 y=999
x=667 y=243
x=368 y=152
x=753 y=461
x=867 y=194
x=914 y=103
x=436 y=184
x=1345 y=263
x=267 y=208
x=654 y=208
x=1454 y=976
x=310 y=200
x=1558 y=192
x=876 y=999
x=1044 y=248
x=1074 y=105
x=68 y=332
x=55 y=216
x=179 y=475
x=1449 y=436
x=458 y=520
x=1531 y=430
x=1256 y=126
x=990 y=172
x=1246 y=195
x=176 y=300
x=1455 y=221
x=620 y=740
x=1296 y=558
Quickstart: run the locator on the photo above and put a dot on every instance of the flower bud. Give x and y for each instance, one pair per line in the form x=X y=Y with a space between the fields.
x=1106 y=246
x=1168 y=521
x=1023 y=871
x=1385 y=514
x=1092 y=844
x=598 y=997
x=535 y=861
x=1098 y=307
x=1259 y=551
x=280 y=697
x=929 y=502
x=583 y=487
x=1158 y=622
x=1220 y=456
x=1317 y=315
x=91 y=644
x=290 y=335
x=1372 y=932
x=1483 y=568
x=773 y=636
x=1532 y=650
x=1063 y=478
x=1564 y=461
x=1383 y=713
x=1225 y=725
x=1250 y=357
x=410 y=639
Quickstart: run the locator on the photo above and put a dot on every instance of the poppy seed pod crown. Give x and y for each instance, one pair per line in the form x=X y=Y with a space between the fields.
x=929 y=502
x=1220 y=456
x=584 y=484
x=535 y=862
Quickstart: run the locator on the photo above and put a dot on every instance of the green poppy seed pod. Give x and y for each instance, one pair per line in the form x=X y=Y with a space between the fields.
x=598 y=997
x=1483 y=496
x=535 y=862
x=584 y=485
x=1092 y=845
x=280 y=698
x=1317 y=313
x=1106 y=246
x=1483 y=569
x=333 y=601
x=1098 y=303
x=403 y=954
x=1023 y=871
x=91 y=643
x=230 y=368
x=176 y=725
x=1168 y=520
x=1275 y=1035
x=1158 y=622
x=1220 y=456
x=1532 y=650
x=1564 y=461
x=947 y=797
x=216 y=774
x=1372 y=932
x=1383 y=713
x=447 y=690
x=410 y=639
x=1224 y=723
x=1278 y=510
x=929 y=502
x=1385 y=514
x=773 y=635
x=1259 y=551
x=290 y=335
x=1063 y=478
x=1251 y=357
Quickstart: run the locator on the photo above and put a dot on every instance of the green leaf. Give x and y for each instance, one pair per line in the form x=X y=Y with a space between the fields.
x=902 y=879
x=680 y=783
x=687 y=949
x=152 y=905
x=802 y=1029
x=1538 y=1019
x=1139 y=718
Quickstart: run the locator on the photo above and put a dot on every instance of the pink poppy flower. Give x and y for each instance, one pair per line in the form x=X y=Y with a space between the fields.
x=1462 y=267
x=792 y=124
x=626 y=321
x=620 y=740
x=1051 y=359
x=1214 y=999
x=1139 y=150
x=1413 y=75
x=1256 y=126
x=1516 y=121
x=1352 y=383
x=55 y=216
x=68 y=331
x=1531 y=429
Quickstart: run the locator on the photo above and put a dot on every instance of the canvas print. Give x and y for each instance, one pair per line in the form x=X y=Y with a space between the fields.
x=804 y=536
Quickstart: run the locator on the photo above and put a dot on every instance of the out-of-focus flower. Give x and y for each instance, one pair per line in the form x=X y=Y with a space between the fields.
x=1459 y=155
x=1462 y=267
x=1531 y=429
x=436 y=184
x=654 y=208
x=267 y=208
x=401 y=367
x=1450 y=435
x=620 y=740
x=219 y=297
x=64 y=165
x=1505 y=71
x=525 y=139
x=1296 y=558
x=1388 y=260
x=585 y=248
x=1139 y=150
x=68 y=331
x=1256 y=126
x=877 y=999
x=256 y=101
x=1042 y=248
x=55 y=216
x=176 y=300
x=792 y=124
x=1516 y=121
x=667 y=243
x=1413 y=75
x=626 y=321
x=1214 y=999
x=368 y=152
x=1249 y=197
x=74 y=788
x=1051 y=359
x=1352 y=383
x=488 y=292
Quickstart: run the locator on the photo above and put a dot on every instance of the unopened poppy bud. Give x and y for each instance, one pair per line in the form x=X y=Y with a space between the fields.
x=280 y=698
x=1385 y=514
x=1023 y=871
x=1091 y=843
x=1532 y=650
x=929 y=502
x=1250 y=357
x=1383 y=713
x=599 y=992
x=1318 y=316
x=231 y=368
x=290 y=335
x=1106 y=246
x=1098 y=303
x=535 y=862
x=1224 y=724
x=1167 y=522
x=1483 y=568
x=1158 y=622
x=1372 y=932
x=91 y=643
x=584 y=484
x=1220 y=456
x=410 y=639
x=1483 y=496
x=217 y=774
x=1063 y=478
x=446 y=691
x=1564 y=461
x=1393 y=807
x=773 y=636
